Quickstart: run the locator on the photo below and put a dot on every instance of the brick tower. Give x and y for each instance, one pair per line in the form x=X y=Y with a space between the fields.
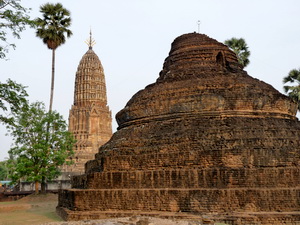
x=90 y=117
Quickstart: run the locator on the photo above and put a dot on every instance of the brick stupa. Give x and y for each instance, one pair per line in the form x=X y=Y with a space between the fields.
x=205 y=139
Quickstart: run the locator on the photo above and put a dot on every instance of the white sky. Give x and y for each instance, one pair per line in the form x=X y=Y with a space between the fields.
x=134 y=37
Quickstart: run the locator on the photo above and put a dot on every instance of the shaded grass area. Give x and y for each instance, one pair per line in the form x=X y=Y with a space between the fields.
x=33 y=209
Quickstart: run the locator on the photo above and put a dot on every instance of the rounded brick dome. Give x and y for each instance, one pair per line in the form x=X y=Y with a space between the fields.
x=202 y=77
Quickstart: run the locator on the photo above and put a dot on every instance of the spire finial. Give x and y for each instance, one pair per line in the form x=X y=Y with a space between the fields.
x=199 y=22
x=90 y=42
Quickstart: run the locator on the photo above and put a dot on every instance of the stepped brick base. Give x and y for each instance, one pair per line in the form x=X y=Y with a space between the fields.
x=79 y=204
x=234 y=218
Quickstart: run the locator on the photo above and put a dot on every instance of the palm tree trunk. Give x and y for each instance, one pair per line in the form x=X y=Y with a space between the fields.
x=52 y=80
x=43 y=183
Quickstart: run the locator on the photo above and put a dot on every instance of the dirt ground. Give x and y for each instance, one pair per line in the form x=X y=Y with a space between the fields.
x=40 y=209
x=30 y=210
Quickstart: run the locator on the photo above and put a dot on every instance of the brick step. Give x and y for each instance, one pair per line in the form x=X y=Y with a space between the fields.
x=182 y=200
x=249 y=218
x=192 y=178
x=69 y=215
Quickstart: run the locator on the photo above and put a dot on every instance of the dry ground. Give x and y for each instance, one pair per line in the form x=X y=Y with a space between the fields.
x=30 y=210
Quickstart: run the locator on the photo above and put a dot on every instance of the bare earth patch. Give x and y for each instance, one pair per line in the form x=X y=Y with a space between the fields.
x=30 y=210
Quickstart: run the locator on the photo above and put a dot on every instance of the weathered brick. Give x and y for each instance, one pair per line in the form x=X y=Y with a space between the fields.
x=204 y=138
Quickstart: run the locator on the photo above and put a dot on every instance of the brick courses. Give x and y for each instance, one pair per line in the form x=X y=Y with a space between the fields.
x=204 y=138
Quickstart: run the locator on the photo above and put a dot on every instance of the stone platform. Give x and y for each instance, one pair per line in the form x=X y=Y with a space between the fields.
x=233 y=218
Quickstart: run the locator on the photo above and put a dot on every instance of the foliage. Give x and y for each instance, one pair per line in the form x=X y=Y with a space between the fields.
x=240 y=48
x=12 y=100
x=13 y=19
x=293 y=91
x=54 y=25
x=41 y=144
x=3 y=170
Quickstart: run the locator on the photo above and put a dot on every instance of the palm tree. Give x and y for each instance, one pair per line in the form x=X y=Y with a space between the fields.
x=240 y=48
x=52 y=29
x=293 y=91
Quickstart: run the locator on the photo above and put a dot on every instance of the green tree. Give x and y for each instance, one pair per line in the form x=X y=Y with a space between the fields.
x=37 y=153
x=3 y=170
x=52 y=29
x=13 y=19
x=240 y=48
x=293 y=91
x=12 y=100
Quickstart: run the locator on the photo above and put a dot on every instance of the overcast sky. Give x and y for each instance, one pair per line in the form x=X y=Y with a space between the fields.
x=133 y=38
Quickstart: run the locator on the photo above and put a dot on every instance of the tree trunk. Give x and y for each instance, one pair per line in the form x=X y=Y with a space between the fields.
x=52 y=80
x=43 y=185
x=36 y=187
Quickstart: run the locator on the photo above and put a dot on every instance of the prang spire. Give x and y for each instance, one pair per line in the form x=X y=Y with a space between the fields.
x=90 y=42
x=90 y=117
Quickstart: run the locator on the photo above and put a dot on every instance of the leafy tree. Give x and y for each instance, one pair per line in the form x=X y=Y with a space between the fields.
x=13 y=19
x=293 y=91
x=12 y=100
x=52 y=29
x=37 y=153
x=240 y=48
x=3 y=170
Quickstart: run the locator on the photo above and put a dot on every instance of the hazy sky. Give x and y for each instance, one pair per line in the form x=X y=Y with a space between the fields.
x=134 y=36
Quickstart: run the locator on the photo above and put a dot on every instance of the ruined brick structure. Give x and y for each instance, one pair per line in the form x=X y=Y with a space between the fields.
x=204 y=138
x=90 y=117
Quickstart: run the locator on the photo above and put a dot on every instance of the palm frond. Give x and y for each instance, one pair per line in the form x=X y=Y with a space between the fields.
x=54 y=25
x=240 y=48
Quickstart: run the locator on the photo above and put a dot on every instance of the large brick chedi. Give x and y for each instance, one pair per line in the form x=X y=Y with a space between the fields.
x=204 y=138
x=90 y=117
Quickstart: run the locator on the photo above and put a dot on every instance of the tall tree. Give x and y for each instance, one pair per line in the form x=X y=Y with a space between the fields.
x=13 y=19
x=52 y=29
x=293 y=91
x=37 y=153
x=240 y=48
